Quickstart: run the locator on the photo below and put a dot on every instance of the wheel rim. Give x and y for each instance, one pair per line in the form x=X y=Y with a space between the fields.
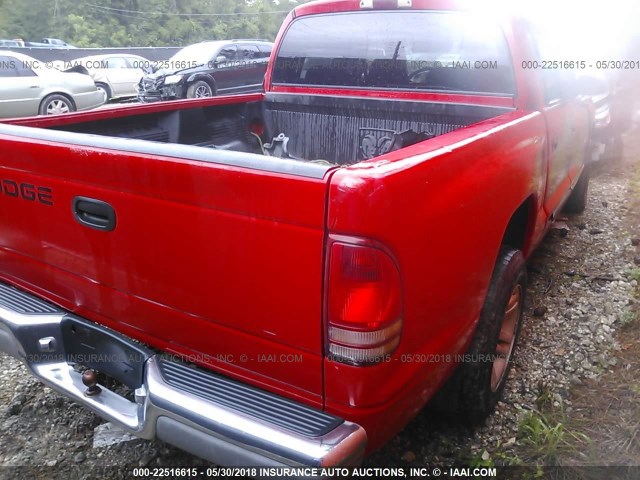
x=506 y=338
x=202 y=91
x=56 y=107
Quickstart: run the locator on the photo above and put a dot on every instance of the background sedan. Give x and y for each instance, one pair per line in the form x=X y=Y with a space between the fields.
x=116 y=74
x=27 y=88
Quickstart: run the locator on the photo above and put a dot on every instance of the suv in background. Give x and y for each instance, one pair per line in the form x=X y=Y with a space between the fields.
x=208 y=68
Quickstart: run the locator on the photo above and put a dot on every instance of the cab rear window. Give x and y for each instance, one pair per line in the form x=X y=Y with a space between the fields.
x=441 y=51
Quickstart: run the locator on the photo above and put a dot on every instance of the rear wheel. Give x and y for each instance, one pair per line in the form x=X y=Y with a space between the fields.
x=477 y=385
x=105 y=88
x=56 y=104
x=577 y=201
x=199 y=89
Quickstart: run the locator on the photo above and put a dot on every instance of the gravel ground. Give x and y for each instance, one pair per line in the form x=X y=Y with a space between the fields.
x=581 y=293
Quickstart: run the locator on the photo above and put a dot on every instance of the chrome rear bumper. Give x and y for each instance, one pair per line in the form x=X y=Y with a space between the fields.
x=31 y=330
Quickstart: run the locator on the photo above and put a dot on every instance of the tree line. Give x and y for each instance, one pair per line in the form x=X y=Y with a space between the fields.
x=137 y=23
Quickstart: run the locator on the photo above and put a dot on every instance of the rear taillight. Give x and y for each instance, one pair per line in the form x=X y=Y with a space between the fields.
x=363 y=304
x=257 y=127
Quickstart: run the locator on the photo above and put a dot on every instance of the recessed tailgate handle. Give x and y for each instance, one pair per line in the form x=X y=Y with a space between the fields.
x=94 y=213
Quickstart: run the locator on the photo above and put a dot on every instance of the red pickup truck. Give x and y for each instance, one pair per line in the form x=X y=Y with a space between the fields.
x=288 y=277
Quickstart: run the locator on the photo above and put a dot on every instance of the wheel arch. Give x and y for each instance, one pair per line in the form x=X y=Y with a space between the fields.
x=518 y=231
x=204 y=77
x=106 y=84
x=65 y=94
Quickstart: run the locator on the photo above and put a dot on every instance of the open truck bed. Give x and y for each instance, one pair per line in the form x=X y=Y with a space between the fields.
x=337 y=130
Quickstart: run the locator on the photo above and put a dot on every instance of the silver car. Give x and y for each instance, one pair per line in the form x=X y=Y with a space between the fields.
x=117 y=74
x=31 y=87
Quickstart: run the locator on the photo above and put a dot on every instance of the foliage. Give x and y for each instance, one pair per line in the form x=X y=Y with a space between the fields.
x=628 y=318
x=634 y=274
x=544 y=434
x=483 y=460
x=136 y=23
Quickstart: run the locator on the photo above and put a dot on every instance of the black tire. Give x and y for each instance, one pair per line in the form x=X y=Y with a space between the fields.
x=105 y=87
x=473 y=391
x=199 y=89
x=577 y=201
x=56 y=104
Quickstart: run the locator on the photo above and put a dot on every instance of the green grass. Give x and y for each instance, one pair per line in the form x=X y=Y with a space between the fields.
x=634 y=274
x=627 y=318
x=543 y=433
x=509 y=459
x=482 y=460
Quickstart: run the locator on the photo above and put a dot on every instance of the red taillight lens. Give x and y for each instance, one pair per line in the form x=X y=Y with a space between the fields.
x=364 y=303
x=257 y=127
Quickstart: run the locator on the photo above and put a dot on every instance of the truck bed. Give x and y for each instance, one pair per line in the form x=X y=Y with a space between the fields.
x=333 y=130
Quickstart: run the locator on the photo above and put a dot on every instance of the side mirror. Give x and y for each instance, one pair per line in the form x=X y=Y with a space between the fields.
x=221 y=59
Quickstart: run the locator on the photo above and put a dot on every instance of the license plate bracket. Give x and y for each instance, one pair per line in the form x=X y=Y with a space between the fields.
x=104 y=350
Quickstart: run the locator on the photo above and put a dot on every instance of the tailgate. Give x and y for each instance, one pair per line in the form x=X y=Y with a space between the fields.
x=214 y=261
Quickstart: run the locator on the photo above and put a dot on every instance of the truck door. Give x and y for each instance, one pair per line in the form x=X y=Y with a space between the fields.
x=567 y=136
x=567 y=118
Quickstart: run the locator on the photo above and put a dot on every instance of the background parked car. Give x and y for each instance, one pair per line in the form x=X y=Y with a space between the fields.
x=56 y=42
x=208 y=68
x=28 y=90
x=9 y=43
x=612 y=109
x=117 y=74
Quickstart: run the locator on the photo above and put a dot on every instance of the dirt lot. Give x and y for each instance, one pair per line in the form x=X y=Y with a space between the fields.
x=573 y=397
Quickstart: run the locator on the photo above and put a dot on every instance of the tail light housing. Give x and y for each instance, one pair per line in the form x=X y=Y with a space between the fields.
x=363 y=302
x=257 y=127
